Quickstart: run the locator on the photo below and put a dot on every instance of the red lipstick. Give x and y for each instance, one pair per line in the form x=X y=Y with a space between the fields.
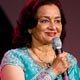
x=51 y=34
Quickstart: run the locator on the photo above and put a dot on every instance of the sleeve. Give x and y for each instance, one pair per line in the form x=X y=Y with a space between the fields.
x=76 y=74
x=45 y=74
x=79 y=73
x=74 y=71
x=12 y=57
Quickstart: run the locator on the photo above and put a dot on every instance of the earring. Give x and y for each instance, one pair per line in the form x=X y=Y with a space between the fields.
x=29 y=31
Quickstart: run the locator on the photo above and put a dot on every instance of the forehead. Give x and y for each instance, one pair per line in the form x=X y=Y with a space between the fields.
x=48 y=10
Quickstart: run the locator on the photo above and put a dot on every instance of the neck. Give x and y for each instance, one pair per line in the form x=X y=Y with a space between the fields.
x=40 y=45
x=43 y=48
x=45 y=53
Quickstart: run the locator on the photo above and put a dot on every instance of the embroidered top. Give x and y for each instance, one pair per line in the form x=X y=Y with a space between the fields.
x=33 y=71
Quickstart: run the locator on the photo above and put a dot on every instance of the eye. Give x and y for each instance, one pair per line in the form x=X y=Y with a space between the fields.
x=57 y=21
x=44 y=21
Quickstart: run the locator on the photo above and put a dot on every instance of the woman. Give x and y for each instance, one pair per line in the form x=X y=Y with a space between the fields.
x=34 y=58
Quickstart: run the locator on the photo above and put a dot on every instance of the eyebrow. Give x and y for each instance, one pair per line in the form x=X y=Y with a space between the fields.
x=49 y=17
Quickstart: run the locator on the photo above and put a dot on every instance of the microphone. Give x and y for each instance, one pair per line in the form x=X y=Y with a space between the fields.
x=57 y=45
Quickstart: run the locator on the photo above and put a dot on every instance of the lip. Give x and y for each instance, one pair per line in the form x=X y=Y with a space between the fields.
x=51 y=34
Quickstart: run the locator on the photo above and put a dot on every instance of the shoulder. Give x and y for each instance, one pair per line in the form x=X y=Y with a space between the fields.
x=16 y=52
x=15 y=57
x=74 y=70
x=72 y=60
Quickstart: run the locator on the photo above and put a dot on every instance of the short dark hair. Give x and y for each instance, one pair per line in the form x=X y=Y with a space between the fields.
x=27 y=20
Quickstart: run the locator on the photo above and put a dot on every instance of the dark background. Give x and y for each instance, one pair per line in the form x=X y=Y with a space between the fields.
x=71 y=9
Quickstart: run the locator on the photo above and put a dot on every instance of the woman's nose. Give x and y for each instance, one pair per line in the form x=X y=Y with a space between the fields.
x=52 y=25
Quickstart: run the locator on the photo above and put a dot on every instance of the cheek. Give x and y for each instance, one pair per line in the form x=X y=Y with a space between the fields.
x=40 y=29
x=59 y=30
x=37 y=31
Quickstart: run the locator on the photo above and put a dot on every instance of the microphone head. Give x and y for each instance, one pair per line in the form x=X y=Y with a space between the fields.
x=56 y=43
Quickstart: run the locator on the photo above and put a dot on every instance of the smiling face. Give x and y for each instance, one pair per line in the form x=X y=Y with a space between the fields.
x=49 y=24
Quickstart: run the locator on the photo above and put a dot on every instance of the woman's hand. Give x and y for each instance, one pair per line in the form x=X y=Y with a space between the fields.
x=60 y=64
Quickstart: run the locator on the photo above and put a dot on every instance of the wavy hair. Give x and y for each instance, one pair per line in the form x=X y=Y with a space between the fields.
x=28 y=20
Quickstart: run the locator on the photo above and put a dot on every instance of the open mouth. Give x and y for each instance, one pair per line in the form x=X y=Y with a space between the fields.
x=51 y=34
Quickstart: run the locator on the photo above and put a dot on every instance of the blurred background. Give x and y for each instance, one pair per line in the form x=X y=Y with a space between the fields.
x=71 y=8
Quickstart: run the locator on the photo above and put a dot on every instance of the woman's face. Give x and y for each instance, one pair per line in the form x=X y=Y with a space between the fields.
x=49 y=24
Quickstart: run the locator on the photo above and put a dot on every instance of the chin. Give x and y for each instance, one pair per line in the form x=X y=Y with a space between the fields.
x=50 y=40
